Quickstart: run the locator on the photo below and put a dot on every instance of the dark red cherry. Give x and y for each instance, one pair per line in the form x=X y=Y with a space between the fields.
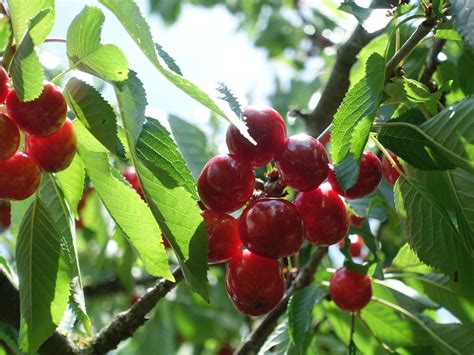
x=19 y=177
x=390 y=173
x=271 y=227
x=370 y=174
x=225 y=350
x=356 y=221
x=266 y=127
x=55 y=152
x=255 y=284
x=3 y=85
x=5 y=215
x=40 y=117
x=303 y=163
x=131 y=176
x=9 y=137
x=324 y=215
x=135 y=297
x=226 y=183
x=223 y=236
x=350 y=290
x=355 y=249
x=165 y=241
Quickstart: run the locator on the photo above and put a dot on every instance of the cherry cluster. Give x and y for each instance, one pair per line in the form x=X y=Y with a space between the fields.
x=270 y=227
x=50 y=140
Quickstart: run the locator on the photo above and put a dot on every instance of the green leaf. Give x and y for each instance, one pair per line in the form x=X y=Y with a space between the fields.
x=192 y=144
x=464 y=193
x=406 y=260
x=278 y=341
x=132 y=20
x=432 y=234
x=86 y=53
x=229 y=97
x=353 y=120
x=299 y=312
x=44 y=271
x=54 y=200
x=5 y=32
x=95 y=113
x=459 y=337
x=21 y=11
x=170 y=62
x=167 y=183
x=452 y=131
x=437 y=6
x=404 y=139
x=27 y=71
x=360 y=13
x=463 y=14
x=437 y=288
x=136 y=220
x=72 y=182
x=9 y=336
x=448 y=34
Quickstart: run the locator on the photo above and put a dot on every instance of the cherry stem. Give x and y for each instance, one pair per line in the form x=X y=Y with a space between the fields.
x=387 y=155
x=352 y=347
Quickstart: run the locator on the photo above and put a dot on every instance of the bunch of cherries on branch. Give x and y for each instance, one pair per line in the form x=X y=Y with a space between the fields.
x=271 y=227
x=49 y=142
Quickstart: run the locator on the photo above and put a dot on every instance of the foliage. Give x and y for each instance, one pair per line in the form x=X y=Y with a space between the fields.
x=73 y=278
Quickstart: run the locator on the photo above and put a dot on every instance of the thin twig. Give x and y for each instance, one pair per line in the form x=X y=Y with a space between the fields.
x=433 y=61
x=126 y=323
x=60 y=40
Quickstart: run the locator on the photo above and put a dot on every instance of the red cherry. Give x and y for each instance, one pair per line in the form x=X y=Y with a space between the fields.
x=369 y=177
x=19 y=177
x=55 y=152
x=267 y=128
x=303 y=163
x=9 y=137
x=165 y=242
x=225 y=350
x=324 y=215
x=350 y=290
x=388 y=170
x=131 y=176
x=40 y=117
x=271 y=227
x=223 y=233
x=355 y=249
x=356 y=221
x=5 y=215
x=3 y=85
x=135 y=297
x=226 y=183
x=255 y=284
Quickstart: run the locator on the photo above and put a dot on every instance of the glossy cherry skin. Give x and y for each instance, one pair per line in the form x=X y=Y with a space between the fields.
x=266 y=127
x=304 y=163
x=3 y=85
x=9 y=137
x=355 y=249
x=255 y=284
x=40 y=117
x=226 y=183
x=223 y=236
x=324 y=215
x=370 y=174
x=350 y=290
x=271 y=227
x=131 y=176
x=5 y=215
x=388 y=170
x=55 y=152
x=20 y=177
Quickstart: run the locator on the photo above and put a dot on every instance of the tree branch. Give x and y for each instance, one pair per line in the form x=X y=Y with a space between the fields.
x=423 y=29
x=10 y=314
x=433 y=61
x=338 y=82
x=124 y=324
x=257 y=337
